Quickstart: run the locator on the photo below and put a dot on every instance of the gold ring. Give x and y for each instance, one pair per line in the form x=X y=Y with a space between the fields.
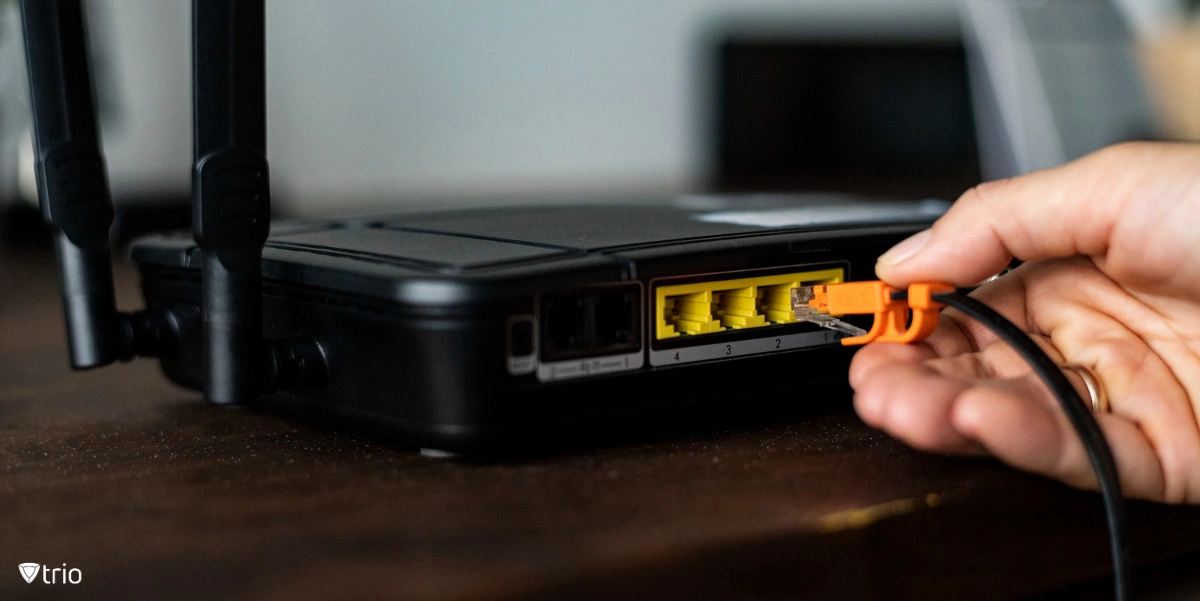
x=1095 y=386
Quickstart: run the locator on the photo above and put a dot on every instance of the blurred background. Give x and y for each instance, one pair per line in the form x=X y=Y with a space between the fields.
x=377 y=105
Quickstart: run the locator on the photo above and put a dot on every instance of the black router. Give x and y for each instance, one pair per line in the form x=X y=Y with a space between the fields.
x=466 y=330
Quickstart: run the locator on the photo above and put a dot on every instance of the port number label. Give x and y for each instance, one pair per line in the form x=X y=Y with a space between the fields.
x=708 y=352
x=562 y=370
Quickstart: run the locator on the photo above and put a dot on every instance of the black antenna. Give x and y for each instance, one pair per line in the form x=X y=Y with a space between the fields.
x=72 y=184
x=73 y=191
x=231 y=204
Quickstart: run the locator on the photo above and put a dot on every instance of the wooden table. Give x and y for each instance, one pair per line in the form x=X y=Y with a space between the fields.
x=153 y=494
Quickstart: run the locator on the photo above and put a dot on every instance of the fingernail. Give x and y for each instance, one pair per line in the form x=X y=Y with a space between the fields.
x=906 y=249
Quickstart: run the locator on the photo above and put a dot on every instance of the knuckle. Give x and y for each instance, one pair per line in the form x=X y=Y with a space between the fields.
x=980 y=194
x=1126 y=148
x=1120 y=155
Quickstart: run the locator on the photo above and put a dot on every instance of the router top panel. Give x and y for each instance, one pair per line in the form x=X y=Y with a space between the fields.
x=369 y=256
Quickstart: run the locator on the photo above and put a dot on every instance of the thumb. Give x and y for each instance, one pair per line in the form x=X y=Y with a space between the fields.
x=1060 y=212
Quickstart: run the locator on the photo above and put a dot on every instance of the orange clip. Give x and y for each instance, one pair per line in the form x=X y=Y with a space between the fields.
x=891 y=316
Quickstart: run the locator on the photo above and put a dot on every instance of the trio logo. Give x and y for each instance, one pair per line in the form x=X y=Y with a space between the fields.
x=29 y=571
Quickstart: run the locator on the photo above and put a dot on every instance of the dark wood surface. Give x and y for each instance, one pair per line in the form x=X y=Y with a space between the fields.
x=154 y=495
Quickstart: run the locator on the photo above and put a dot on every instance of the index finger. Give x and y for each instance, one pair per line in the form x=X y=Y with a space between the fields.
x=1060 y=212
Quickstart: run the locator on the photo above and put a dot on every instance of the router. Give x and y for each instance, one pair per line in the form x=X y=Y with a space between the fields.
x=466 y=330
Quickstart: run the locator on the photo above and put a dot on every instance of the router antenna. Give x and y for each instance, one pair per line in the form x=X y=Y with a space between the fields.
x=231 y=204
x=73 y=190
x=72 y=183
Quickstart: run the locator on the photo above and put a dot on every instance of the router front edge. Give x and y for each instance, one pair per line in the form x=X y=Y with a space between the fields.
x=474 y=330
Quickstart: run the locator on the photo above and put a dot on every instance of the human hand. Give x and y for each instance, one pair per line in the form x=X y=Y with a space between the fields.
x=1111 y=280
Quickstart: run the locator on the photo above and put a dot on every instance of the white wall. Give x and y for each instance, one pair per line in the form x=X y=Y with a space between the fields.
x=373 y=102
x=391 y=98
x=142 y=62
x=376 y=102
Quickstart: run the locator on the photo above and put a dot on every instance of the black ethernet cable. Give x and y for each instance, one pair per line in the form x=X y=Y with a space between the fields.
x=1081 y=418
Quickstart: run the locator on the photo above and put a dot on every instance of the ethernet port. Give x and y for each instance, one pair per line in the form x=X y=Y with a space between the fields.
x=566 y=324
x=590 y=324
x=705 y=307
x=617 y=319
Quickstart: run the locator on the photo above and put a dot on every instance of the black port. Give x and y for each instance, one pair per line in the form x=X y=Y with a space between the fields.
x=616 y=319
x=520 y=338
x=590 y=324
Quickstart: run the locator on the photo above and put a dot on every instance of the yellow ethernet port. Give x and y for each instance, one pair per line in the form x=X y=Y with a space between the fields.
x=713 y=306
